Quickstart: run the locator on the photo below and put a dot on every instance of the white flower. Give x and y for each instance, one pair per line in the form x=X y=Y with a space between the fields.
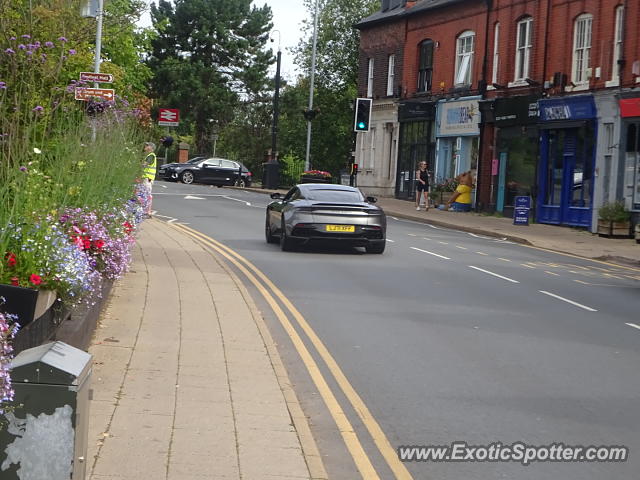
x=36 y=150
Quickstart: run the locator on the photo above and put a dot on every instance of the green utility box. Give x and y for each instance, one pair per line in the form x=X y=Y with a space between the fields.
x=45 y=436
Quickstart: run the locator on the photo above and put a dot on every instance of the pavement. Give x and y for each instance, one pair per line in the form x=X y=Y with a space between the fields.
x=187 y=382
x=574 y=241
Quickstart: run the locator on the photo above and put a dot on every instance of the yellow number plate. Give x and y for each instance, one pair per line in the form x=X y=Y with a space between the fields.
x=341 y=228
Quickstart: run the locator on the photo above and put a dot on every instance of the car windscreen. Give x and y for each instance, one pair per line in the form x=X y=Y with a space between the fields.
x=333 y=195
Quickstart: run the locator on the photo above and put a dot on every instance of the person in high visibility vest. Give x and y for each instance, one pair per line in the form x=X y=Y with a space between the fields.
x=149 y=175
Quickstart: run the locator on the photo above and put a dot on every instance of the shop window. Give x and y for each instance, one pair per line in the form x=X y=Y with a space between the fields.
x=632 y=141
x=520 y=144
x=523 y=49
x=425 y=66
x=464 y=58
x=581 y=49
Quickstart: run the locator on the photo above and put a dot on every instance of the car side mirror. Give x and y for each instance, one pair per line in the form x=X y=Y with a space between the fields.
x=371 y=199
x=276 y=196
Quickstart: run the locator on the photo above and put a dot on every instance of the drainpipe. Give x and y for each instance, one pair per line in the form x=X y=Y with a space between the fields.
x=546 y=43
x=482 y=88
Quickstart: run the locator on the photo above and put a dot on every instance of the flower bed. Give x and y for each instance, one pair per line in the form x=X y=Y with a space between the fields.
x=316 y=176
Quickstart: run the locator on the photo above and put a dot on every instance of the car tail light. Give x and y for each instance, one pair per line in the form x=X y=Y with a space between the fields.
x=249 y=174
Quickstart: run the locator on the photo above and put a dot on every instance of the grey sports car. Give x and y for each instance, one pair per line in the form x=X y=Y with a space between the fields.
x=313 y=211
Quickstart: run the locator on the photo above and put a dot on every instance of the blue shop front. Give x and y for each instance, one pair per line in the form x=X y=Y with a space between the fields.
x=567 y=160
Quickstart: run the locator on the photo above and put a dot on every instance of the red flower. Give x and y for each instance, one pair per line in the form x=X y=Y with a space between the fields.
x=98 y=244
x=86 y=243
x=11 y=259
x=35 y=279
x=127 y=227
x=15 y=281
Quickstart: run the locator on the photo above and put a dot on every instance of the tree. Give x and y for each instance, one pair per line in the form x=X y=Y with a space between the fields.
x=208 y=56
x=335 y=82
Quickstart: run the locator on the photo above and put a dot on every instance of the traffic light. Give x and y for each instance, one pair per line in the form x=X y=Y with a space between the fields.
x=354 y=169
x=363 y=115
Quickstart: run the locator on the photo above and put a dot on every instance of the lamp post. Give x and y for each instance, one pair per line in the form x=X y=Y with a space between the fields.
x=99 y=16
x=276 y=106
x=307 y=165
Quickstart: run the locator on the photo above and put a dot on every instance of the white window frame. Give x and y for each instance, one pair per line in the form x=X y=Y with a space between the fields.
x=465 y=45
x=372 y=151
x=370 y=79
x=391 y=67
x=523 y=50
x=617 y=47
x=496 y=56
x=582 y=30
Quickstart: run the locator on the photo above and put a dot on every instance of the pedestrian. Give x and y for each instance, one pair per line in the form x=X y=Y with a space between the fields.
x=422 y=185
x=150 y=163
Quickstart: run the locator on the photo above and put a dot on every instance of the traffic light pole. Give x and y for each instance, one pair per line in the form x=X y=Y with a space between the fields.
x=307 y=163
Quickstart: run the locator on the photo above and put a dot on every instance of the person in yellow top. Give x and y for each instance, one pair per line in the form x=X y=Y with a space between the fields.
x=149 y=175
x=461 y=199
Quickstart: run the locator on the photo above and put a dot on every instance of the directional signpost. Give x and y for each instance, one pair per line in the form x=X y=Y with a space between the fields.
x=88 y=94
x=169 y=117
x=96 y=77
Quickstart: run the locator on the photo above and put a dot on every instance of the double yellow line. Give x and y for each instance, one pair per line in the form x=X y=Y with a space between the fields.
x=270 y=293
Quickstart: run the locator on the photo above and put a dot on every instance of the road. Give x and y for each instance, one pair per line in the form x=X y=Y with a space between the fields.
x=448 y=337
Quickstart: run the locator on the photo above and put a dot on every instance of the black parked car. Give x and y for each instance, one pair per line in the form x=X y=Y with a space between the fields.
x=216 y=171
x=337 y=213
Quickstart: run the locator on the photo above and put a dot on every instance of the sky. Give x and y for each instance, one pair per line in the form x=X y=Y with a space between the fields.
x=287 y=18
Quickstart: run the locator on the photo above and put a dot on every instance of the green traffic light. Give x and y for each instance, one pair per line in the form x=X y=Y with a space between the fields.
x=361 y=125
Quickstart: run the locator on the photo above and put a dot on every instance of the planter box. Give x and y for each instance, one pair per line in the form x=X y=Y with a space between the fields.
x=442 y=198
x=607 y=228
x=312 y=179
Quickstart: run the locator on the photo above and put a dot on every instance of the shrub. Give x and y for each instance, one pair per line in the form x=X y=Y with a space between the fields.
x=614 y=212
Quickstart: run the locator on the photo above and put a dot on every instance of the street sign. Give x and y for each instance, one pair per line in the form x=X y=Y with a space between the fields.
x=86 y=94
x=96 y=77
x=521 y=210
x=169 y=117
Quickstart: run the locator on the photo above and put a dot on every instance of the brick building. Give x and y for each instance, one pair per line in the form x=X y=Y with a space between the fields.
x=537 y=98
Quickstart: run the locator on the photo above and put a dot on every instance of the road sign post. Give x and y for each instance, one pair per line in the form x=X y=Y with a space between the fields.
x=521 y=210
x=96 y=77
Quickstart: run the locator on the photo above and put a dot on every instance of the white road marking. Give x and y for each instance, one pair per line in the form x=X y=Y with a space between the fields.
x=395 y=218
x=412 y=234
x=172 y=220
x=163 y=186
x=444 y=243
x=161 y=216
x=478 y=236
x=580 y=281
x=426 y=238
x=504 y=259
x=461 y=248
x=494 y=274
x=568 y=301
x=633 y=325
x=431 y=253
x=552 y=273
x=389 y=240
x=433 y=226
x=482 y=253
x=236 y=200
x=528 y=266
x=192 y=197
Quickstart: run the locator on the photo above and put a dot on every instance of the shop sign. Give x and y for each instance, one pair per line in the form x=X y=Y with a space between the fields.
x=416 y=111
x=516 y=111
x=567 y=108
x=459 y=118
x=630 y=107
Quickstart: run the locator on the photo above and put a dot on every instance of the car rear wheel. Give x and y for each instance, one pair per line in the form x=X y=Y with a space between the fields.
x=271 y=238
x=187 y=177
x=239 y=183
x=376 y=247
x=286 y=243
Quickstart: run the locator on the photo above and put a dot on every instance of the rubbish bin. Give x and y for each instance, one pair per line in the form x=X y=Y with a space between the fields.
x=45 y=436
x=271 y=175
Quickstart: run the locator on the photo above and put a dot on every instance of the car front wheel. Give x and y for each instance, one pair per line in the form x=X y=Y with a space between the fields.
x=187 y=177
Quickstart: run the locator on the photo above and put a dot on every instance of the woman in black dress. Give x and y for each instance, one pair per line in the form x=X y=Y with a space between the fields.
x=422 y=185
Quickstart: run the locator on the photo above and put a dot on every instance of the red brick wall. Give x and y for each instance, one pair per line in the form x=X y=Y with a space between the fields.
x=378 y=42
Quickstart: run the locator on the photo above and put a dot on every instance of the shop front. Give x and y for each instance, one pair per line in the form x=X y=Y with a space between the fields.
x=630 y=115
x=417 y=143
x=567 y=158
x=513 y=168
x=457 y=138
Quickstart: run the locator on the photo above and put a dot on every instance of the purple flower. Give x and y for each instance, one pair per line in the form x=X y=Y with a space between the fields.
x=29 y=52
x=43 y=56
x=37 y=44
x=38 y=109
x=48 y=44
x=62 y=39
x=10 y=51
x=26 y=36
x=72 y=51
x=12 y=38
x=22 y=47
x=3 y=85
x=23 y=169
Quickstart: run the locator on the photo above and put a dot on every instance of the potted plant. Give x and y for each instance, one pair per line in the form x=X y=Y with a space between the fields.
x=443 y=190
x=315 y=176
x=614 y=220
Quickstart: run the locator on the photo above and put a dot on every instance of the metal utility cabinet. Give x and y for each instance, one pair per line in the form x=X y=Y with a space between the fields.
x=45 y=436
